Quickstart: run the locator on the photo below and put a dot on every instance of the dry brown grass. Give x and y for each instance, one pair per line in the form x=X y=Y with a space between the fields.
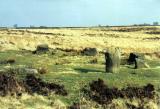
x=78 y=39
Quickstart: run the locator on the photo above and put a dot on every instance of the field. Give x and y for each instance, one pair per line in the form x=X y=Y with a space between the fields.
x=65 y=65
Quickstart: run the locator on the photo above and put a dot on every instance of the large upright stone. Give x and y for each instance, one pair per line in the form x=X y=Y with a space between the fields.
x=113 y=58
x=133 y=60
x=137 y=61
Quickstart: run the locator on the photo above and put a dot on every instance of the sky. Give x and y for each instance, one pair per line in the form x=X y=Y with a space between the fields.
x=78 y=12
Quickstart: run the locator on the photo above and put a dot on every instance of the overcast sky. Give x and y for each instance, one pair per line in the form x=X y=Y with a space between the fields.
x=78 y=12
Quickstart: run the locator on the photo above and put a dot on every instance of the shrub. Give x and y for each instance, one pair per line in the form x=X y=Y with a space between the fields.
x=90 y=51
x=11 y=61
x=8 y=61
x=93 y=61
x=42 y=70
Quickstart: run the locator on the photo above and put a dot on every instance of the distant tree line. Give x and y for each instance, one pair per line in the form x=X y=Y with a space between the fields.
x=147 y=24
x=45 y=27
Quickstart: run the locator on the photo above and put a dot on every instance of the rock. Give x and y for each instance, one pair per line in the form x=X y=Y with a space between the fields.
x=142 y=64
x=42 y=48
x=31 y=71
x=133 y=60
x=11 y=61
x=90 y=52
x=113 y=58
x=137 y=62
x=42 y=70
x=8 y=61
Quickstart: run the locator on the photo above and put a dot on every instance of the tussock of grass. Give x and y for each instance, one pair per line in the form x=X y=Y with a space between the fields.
x=30 y=102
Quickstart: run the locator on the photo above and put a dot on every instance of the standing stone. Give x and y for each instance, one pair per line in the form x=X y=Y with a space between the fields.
x=133 y=60
x=113 y=58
